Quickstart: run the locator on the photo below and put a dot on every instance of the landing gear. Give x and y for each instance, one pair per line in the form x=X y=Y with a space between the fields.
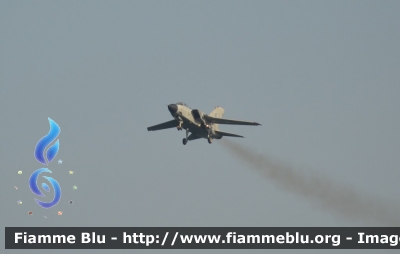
x=209 y=131
x=179 y=127
x=185 y=140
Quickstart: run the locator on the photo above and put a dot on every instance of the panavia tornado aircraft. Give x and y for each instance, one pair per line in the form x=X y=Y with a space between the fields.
x=199 y=124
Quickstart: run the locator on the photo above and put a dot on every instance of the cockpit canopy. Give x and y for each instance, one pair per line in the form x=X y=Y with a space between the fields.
x=182 y=104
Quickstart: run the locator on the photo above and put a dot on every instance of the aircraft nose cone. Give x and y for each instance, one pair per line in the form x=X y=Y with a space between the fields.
x=172 y=108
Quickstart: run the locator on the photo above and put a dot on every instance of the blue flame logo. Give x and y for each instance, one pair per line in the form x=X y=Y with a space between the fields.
x=39 y=155
x=45 y=141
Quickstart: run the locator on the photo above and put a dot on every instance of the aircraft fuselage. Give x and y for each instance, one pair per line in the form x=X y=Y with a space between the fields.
x=193 y=121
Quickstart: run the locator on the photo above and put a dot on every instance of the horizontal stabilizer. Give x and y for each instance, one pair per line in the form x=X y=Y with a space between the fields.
x=228 y=134
x=193 y=137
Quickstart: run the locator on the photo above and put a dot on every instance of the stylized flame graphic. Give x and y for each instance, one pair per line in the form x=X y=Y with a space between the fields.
x=45 y=187
x=45 y=141
x=35 y=189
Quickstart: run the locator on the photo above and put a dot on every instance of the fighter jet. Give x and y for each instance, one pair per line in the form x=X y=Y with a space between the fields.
x=200 y=125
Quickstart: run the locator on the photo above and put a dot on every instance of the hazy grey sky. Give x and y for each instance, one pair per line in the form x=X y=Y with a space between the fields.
x=322 y=77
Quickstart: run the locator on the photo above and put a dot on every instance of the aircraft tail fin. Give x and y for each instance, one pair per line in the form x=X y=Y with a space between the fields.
x=218 y=112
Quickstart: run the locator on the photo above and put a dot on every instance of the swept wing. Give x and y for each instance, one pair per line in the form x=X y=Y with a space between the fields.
x=228 y=121
x=161 y=126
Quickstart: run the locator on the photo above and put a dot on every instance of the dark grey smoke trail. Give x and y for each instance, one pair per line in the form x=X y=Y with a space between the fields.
x=330 y=196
